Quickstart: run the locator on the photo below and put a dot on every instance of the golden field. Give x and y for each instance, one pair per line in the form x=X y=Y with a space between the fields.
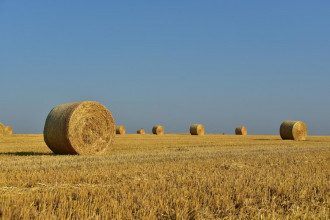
x=168 y=177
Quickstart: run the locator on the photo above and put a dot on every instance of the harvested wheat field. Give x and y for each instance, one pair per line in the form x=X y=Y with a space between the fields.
x=167 y=177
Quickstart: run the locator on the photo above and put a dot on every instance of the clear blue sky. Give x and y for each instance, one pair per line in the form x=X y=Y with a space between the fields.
x=218 y=62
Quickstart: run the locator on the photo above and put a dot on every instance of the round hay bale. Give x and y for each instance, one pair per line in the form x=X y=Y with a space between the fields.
x=158 y=130
x=8 y=130
x=293 y=130
x=2 y=130
x=241 y=130
x=120 y=129
x=79 y=128
x=197 y=129
x=141 y=131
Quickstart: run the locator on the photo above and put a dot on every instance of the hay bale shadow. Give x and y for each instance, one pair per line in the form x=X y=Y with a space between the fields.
x=266 y=139
x=26 y=153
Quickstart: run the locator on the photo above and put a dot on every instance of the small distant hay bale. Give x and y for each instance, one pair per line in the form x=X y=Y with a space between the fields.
x=293 y=130
x=158 y=130
x=8 y=130
x=120 y=129
x=197 y=129
x=2 y=130
x=141 y=131
x=79 y=128
x=241 y=130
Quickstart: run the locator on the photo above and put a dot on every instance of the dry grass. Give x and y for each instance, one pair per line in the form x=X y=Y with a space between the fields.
x=167 y=177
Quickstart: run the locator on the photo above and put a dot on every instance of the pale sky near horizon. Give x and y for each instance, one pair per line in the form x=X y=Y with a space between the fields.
x=220 y=63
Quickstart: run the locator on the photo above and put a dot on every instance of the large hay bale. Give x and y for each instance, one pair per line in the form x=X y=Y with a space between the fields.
x=120 y=129
x=141 y=131
x=8 y=130
x=79 y=128
x=2 y=130
x=241 y=130
x=158 y=130
x=293 y=130
x=197 y=129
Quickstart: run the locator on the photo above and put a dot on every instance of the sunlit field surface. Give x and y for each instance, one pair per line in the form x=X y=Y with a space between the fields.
x=167 y=177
